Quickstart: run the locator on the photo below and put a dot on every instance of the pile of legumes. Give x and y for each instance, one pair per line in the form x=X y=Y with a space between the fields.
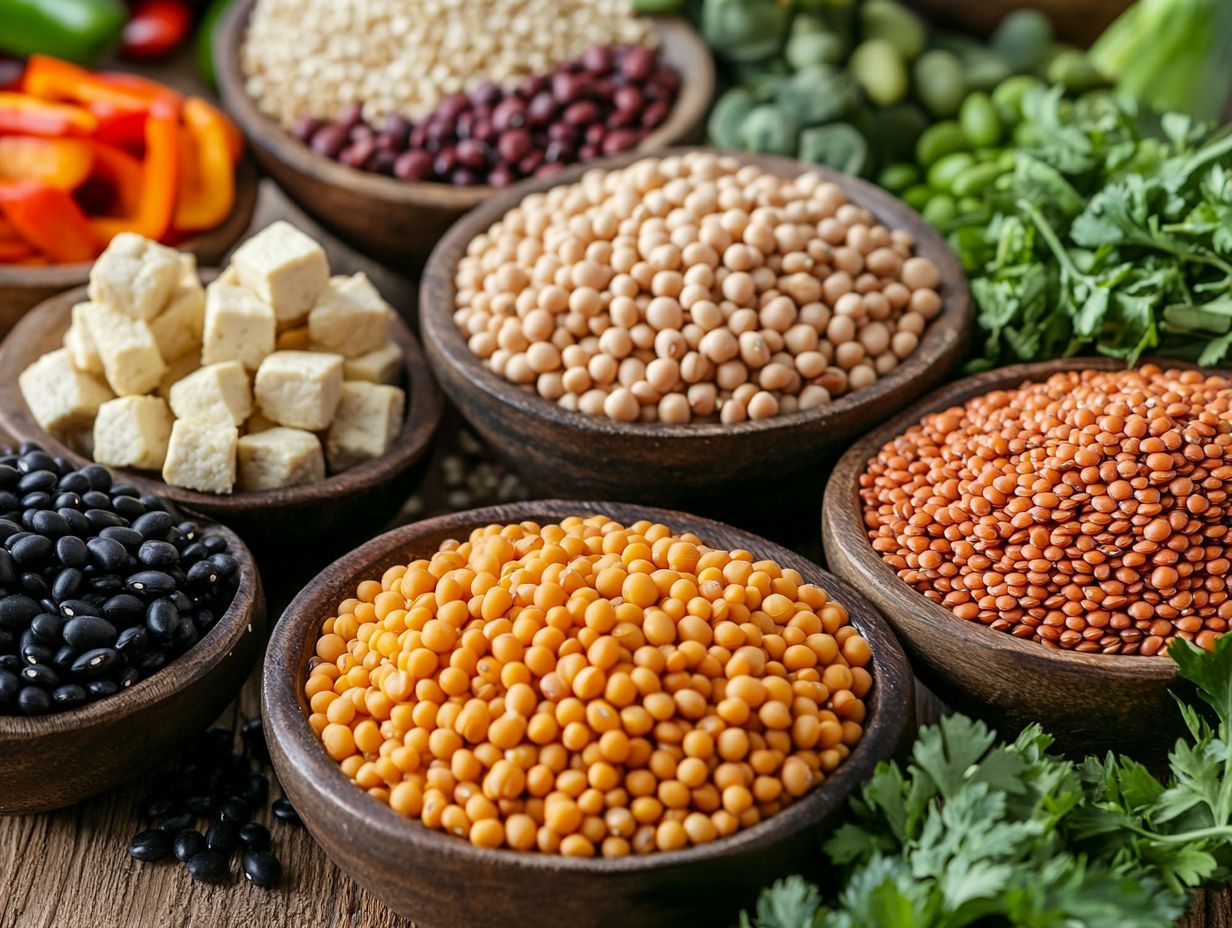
x=100 y=585
x=1086 y=512
x=693 y=287
x=585 y=688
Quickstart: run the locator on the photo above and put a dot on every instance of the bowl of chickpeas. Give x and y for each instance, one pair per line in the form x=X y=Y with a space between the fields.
x=585 y=713
x=695 y=329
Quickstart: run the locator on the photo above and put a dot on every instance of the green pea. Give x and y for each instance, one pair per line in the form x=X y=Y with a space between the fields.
x=917 y=196
x=939 y=140
x=898 y=177
x=940 y=208
x=978 y=118
x=879 y=69
x=976 y=179
x=943 y=173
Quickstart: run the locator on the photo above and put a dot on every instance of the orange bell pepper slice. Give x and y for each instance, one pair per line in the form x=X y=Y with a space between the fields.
x=122 y=174
x=53 y=79
x=22 y=113
x=207 y=170
x=49 y=219
x=61 y=163
x=159 y=178
x=11 y=251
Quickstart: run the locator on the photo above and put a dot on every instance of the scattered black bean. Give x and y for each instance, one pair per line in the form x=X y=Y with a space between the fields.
x=208 y=867
x=262 y=868
x=222 y=837
x=152 y=844
x=234 y=810
x=188 y=844
x=176 y=822
x=285 y=812
x=255 y=836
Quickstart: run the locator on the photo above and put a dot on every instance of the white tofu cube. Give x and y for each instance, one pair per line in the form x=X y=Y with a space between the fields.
x=238 y=326
x=284 y=267
x=381 y=366
x=368 y=421
x=349 y=318
x=279 y=457
x=177 y=329
x=61 y=398
x=135 y=276
x=300 y=389
x=131 y=362
x=216 y=392
x=201 y=456
x=132 y=431
x=177 y=370
x=80 y=343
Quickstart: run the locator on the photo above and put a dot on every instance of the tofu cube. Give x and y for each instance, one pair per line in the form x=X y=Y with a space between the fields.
x=201 y=456
x=381 y=366
x=284 y=267
x=216 y=392
x=80 y=343
x=279 y=457
x=177 y=329
x=131 y=362
x=61 y=398
x=300 y=389
x=350 y=318
x=177 y=370
x=238 y=326
x=132 y=431
x=368 y=421
x=135 y=276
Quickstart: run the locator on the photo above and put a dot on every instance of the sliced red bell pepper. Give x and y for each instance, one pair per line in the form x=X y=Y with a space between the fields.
x=119 y=126
x=53 y=79
x=49 y=219
x=22 y=113
x=159 y=176
x=207 y=174
x=122 y=174
x=61 y=163
x=15 y=250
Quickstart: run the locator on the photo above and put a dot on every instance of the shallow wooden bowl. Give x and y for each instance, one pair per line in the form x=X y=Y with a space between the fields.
x=1090 y=702
x=1079 y=21
x=439 y=880
x=355 y=502
x=23 y=288
x=395 y=221
x=51 y=761
x=709 y=467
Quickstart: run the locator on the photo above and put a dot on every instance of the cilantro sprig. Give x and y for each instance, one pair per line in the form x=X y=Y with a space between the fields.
x=976 y=831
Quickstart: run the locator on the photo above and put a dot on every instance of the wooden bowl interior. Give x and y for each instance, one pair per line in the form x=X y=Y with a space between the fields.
x=112 y=740
x=350 y=825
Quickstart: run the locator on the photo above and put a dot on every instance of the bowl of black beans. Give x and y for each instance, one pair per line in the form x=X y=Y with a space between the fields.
x=126 y=627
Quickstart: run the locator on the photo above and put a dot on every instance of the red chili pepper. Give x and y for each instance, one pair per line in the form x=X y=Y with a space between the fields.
x=156 y=28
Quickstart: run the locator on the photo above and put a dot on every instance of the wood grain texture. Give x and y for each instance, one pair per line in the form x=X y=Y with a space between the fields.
x=1090 y=702
x=101 y=744
x=728 y=471
x=23 y=288
x=704 y=884
x=396 y=221
x=1079 y=21
x=354 y=503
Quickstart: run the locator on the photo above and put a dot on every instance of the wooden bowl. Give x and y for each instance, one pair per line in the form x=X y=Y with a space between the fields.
x=440 y=880
x=1090 y=702
x=23 y=288
x=1078 y=21
x=709 y=467
x=51 y=761
x=395 y=221
x=351 y=504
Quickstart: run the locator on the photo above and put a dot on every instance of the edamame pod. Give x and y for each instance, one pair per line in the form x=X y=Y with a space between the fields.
x=917 y=196
x=879 y=69
x=979 y=121
x=940 y=208
x=976 y=179
x=898 y=177
x=939 y=140
x=943 y=173
x=939 y=82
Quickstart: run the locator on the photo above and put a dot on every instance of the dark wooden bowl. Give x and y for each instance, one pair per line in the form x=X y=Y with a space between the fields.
x=1078 y=21
x=708 y=467
x=1090 y=702
x=399 y=222
x=51 y=761
x=22 y=288
x=353 y=503
x=439 y=880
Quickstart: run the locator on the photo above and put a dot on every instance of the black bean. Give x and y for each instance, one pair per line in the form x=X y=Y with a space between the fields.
x=96 y=662
x=129 y=677
x=234 y=810
x=34 y=653
x=222 y=837
x=37 y=481
x=77 y=521
x=98 y=476
x=152 y=844
x=34 y=585
x=151 y=583
x=11 y=662
x=188 y=844
x=66 y=584
x=124 y=608
x=40 y=675
x=100 y=688
x=176 y=822
x=200 y=805
x=202 y=576
x=10 y=683
x=151 y=661
x=204 y=619
x=226 y=564
x=76 y=607
x=208 y=867
x=107 y=584
x=261 y=868
x=130 y=539
x=85 y=632
x=162 y=618
x=255 y=789
x=66 y=501
x=33 y=700
x=31 y=550
x=64 y=657
x=255 y=836
x=284 y=811
x=100 y=519
x=8 y=570
x=157 y=554
x=153 y=525
x=9 y=475
x=68 y=696
x=95 y=499
x=50 y=523
x=72 y=551
x=128 y=506
x=185 y=635
x=47 y=628
x=157 y=807
x=132 y=641
x=74 y=482
x=106 y=553
x=34 y=458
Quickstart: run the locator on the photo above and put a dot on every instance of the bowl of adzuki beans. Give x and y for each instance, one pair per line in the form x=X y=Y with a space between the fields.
x=1039 y=536
x=394 y=185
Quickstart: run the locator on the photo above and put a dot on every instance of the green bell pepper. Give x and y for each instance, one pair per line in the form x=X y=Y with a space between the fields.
x=79 y=30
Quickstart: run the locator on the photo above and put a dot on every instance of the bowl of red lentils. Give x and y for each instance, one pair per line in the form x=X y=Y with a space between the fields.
x=1038 y=536
x=693 y=329
x=389 y=120
x=583 y=712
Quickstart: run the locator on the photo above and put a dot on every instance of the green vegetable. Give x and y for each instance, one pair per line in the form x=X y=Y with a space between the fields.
x=898 y=177
x=1008 y=97
x=1073 y=70
x=768 y=129
x=985 y=69
x=893 y=22
x=728 y=115
x=939 y=140
x=878 y=67
x=979 y=120
x=917 y=196
x=976 y=179
x=894 y=130
x=658 y=7
x=204 y=49
x=761 y=77
x=79 y=30
x=1023 y=39
x=810 y=48
x=816 y=94
x=940 y=82
x=977 y=832
x=940 y=209
x=944 y=171
x=744 y=30
x=839 y=146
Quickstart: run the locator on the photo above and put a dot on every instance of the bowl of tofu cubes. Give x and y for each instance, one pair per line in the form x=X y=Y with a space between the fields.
x=282 y=401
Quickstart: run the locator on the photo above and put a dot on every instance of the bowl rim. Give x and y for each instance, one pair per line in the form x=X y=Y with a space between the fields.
x=286 y=723
x=424 y=409
x=243 y=616
x=841 y=514
x=222 y=237
x=268 y=134
x=437 y=294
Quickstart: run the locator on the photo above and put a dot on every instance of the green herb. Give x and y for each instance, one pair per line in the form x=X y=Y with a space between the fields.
x=1103 y=238
x=981 y=832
